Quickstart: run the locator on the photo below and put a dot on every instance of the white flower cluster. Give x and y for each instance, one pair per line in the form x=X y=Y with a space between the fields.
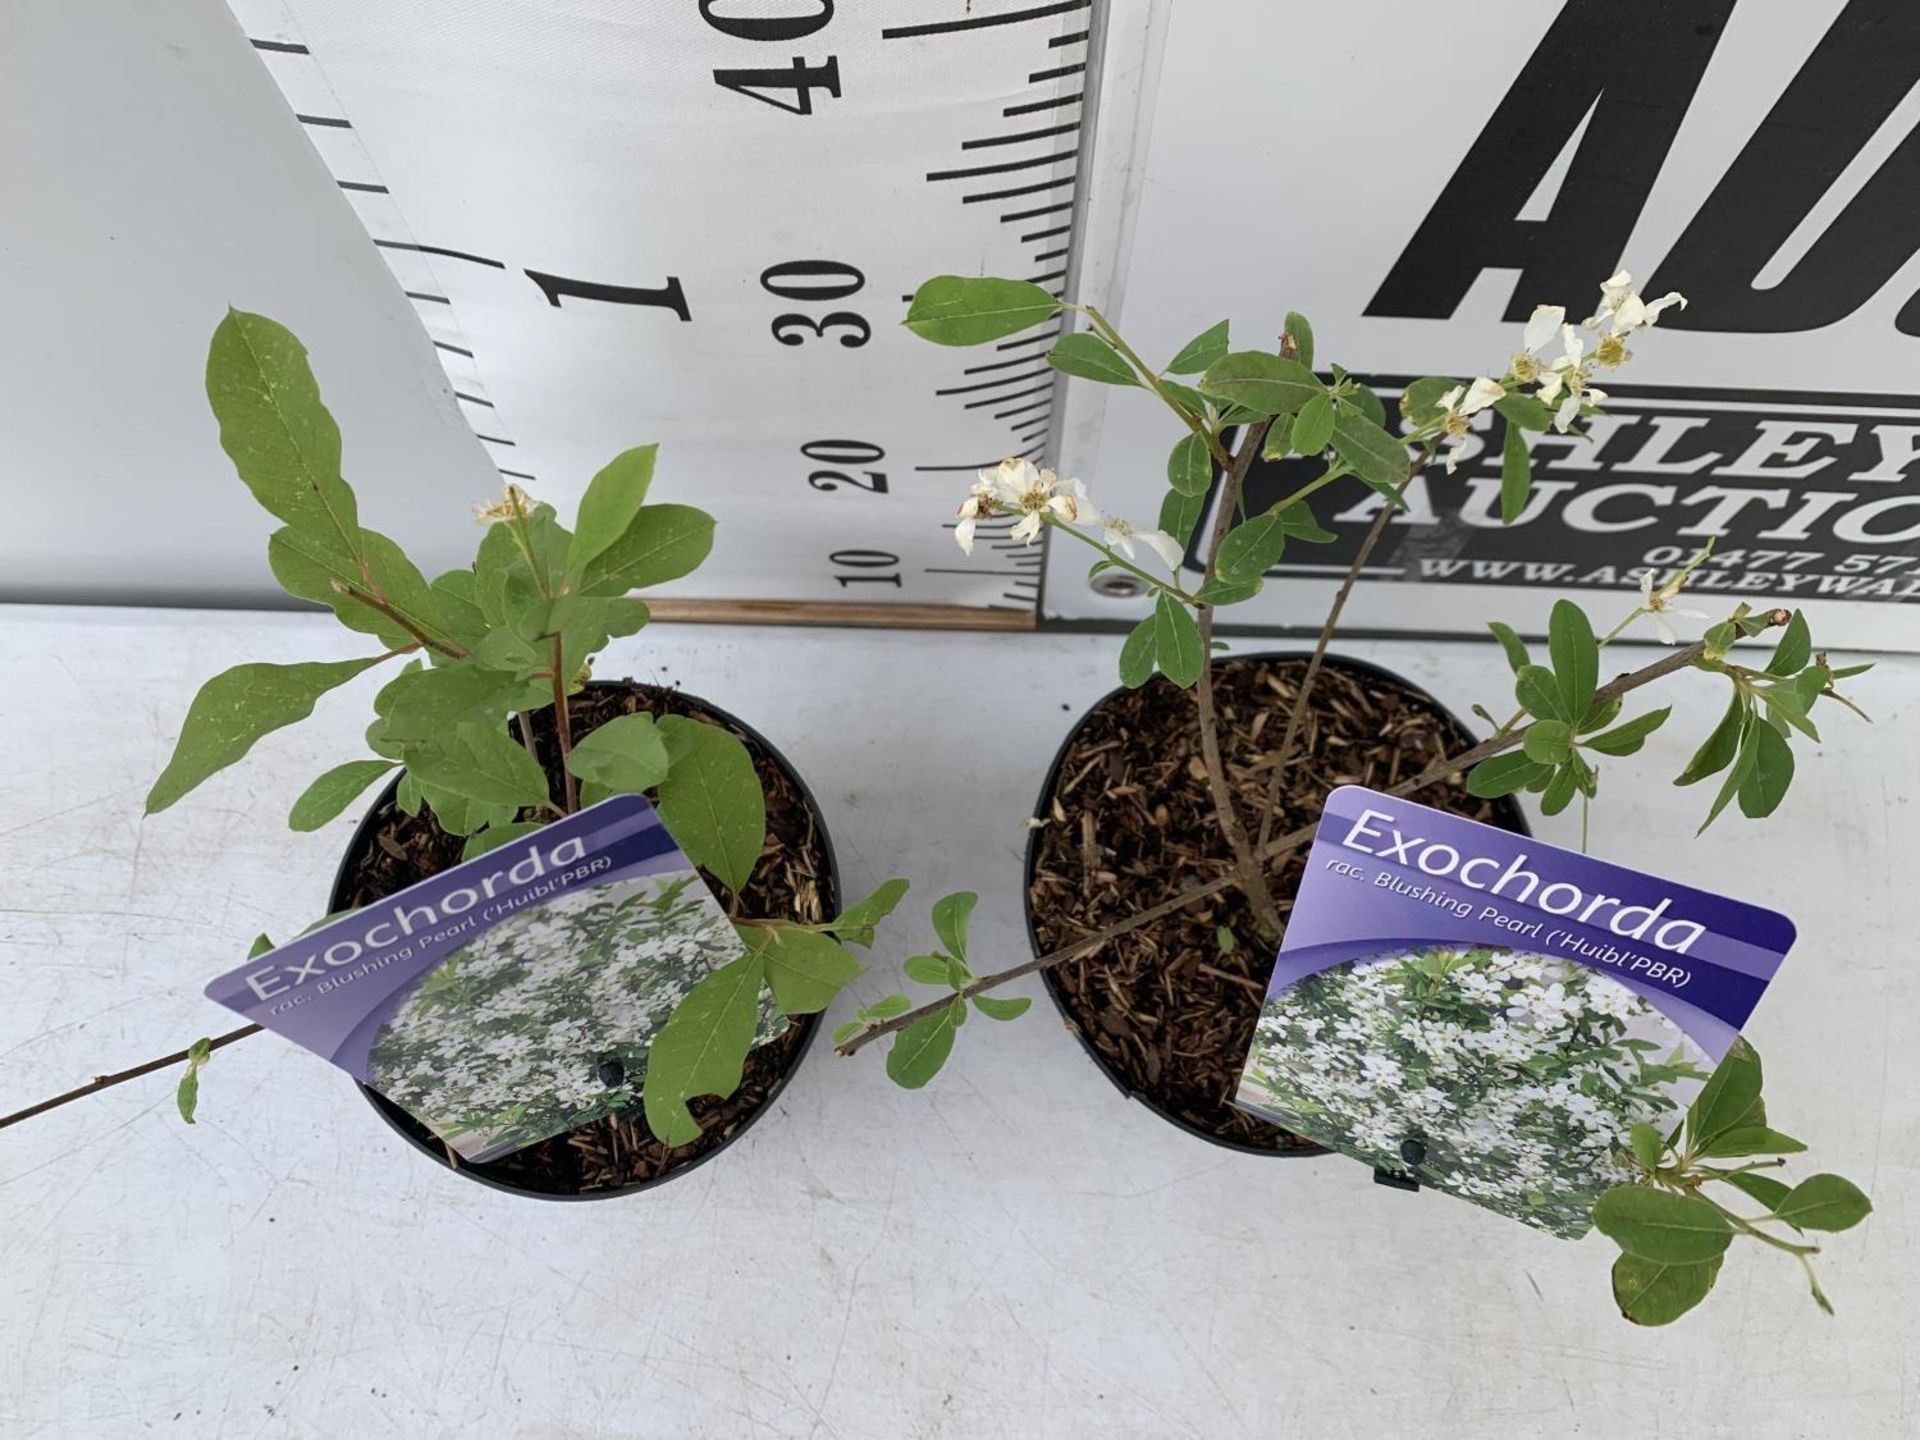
x=1564 y=382
x=501 y=1046
x=1520 y=1075
x=1036 y=494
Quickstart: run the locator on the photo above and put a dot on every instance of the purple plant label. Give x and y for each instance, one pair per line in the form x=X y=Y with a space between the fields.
x=1494 y=1013
x=514 y=996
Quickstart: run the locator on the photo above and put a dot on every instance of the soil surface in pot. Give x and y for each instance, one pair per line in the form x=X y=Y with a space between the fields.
x=794 y=879
x=1130 y=821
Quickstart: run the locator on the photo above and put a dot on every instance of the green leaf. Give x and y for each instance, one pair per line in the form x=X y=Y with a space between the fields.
x=1201 y=351
x=1176 y=642
x=1548 y=742
x=1375 y=456
x=950 y=916
x=1718 y=750
x=1088 y=356
x=1179 y=514
x=494 y=836
x=846 y=1031
x=1301 y=333
x=926 y=969
x=1278 y=441
x=1218 y=592
x=262 y=944
x=1538 y=693
x=1313 y=426
x=1728 y=1095
x=1765 y=784
x=1659 y=1225
x=702 y=1049
x=711 y=801
x=1646 y=1144
x=964 y=310
x=1650 y=1293
x=308 y=566
x=1743 y=764
x=1560 y=789
x=1795 y=649
x=1516 y=475
x=427 y=703
x=1265 y=384
x=626 y=755
x=238 y=706
x=1251 y=549
x=1510 y=642
x=187 y=1096
x=997 y=1009
x=1576 y=658
x=334 y=791
x=662 y=543
x=1138 y=653
x=1190 y=467
x=1764 y=1188
x=274 y=428
x=1627 y=738
x=1189 y=400
x=1420 y=401
x=1524 y=412
x=457 y=604
x=1366 y=403
x=613 y=498
x=1824 y=1202
x=886 y=1007
x=1504 y=774
x=805 y=969
x=1296 y=519
x=481 y=764
x=856 y=923
x=922 y=1048
x=1751 y=1140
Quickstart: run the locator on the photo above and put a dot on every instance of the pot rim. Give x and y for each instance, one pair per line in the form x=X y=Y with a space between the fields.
x=389 y=1111
x=1514 y=818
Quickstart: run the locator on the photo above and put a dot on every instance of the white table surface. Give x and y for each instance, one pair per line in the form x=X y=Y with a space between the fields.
x=1015 y=1251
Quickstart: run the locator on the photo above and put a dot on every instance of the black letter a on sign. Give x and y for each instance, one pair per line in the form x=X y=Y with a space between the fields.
x=1636 y=65
x=1863 y=67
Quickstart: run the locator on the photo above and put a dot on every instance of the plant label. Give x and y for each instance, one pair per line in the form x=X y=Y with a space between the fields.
x=1493 y=1013
x=514 y=996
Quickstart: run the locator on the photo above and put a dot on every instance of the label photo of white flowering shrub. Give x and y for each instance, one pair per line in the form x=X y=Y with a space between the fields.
x=1492 y=1016
x=508 y=1040
x=1517 y=1075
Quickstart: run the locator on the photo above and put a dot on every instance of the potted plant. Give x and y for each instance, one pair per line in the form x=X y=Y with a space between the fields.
x=490 y=726
x=1169 y=832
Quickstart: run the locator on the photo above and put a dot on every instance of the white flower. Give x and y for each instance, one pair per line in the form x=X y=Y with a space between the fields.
x=1569 y=379
x=1658 y=604
x=1120 y=534
x=1544 y=323
x=1460 y=404
x=510 y=506
x=1026 y=489
x=1622 y=311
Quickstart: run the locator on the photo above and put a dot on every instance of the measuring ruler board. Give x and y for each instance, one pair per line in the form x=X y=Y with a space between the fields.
x=699 y=223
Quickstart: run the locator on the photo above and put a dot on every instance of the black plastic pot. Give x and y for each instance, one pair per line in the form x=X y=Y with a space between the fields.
x=1507 y=815
x=404 y=1125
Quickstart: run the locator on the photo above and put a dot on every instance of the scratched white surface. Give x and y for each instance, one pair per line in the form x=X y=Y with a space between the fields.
x=1015 y=1251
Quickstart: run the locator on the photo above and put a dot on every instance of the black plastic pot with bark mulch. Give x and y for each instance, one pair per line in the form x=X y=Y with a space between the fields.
x=1127 y=820
x=796 y=878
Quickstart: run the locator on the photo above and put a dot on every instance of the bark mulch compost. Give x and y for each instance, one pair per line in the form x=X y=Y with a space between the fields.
x=794 y=880
x=1167 y=1010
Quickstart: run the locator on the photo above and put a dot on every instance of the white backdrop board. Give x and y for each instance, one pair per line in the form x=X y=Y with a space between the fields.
x=1416 y=178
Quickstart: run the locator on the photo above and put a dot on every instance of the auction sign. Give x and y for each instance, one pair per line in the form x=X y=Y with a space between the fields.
x=1415 y=179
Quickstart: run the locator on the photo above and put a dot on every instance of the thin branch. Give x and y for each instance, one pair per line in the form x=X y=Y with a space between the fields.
x=1266 y=914
x=443 y=645
x=1298 y=713
x=563 y=727
x=1448 y=768
x=102 y=1082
